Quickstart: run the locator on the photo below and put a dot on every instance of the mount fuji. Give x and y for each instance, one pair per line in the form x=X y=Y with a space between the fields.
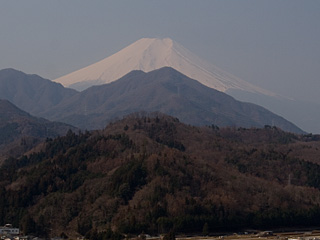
x=148 y=54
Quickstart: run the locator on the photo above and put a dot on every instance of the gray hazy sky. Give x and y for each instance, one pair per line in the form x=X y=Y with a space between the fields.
x=273 y=44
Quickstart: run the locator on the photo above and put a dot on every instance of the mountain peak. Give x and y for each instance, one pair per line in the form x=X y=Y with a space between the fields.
x=148 y=54
x=167 y=40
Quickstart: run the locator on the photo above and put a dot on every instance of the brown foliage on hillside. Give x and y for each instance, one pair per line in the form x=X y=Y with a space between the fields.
x=152 y=174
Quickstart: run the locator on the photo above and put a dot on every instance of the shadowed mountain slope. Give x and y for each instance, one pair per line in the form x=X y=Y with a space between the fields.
x=19 y=131
x=165 y=90
x=31 y=92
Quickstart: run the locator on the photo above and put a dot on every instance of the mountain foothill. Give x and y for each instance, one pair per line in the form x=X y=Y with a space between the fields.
x=151 y=173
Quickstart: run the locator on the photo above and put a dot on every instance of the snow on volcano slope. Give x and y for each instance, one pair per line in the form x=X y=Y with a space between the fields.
x=148 y=54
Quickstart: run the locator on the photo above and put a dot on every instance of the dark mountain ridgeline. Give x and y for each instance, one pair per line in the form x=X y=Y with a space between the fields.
x=167 y=91
x=164 y=90
x=31 y=92
x=151 y=173
x=19 y=131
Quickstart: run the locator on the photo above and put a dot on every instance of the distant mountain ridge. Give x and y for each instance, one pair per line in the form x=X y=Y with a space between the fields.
x=19 y=131
x=31 y=92
x=165 y=90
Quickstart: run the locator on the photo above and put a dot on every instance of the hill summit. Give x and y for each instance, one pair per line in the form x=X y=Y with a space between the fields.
x=148 y=54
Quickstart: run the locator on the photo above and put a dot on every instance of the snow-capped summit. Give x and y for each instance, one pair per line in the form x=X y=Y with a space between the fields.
x=148 y=54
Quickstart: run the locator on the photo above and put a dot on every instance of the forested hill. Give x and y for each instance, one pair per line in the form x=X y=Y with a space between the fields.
x=152 y=173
